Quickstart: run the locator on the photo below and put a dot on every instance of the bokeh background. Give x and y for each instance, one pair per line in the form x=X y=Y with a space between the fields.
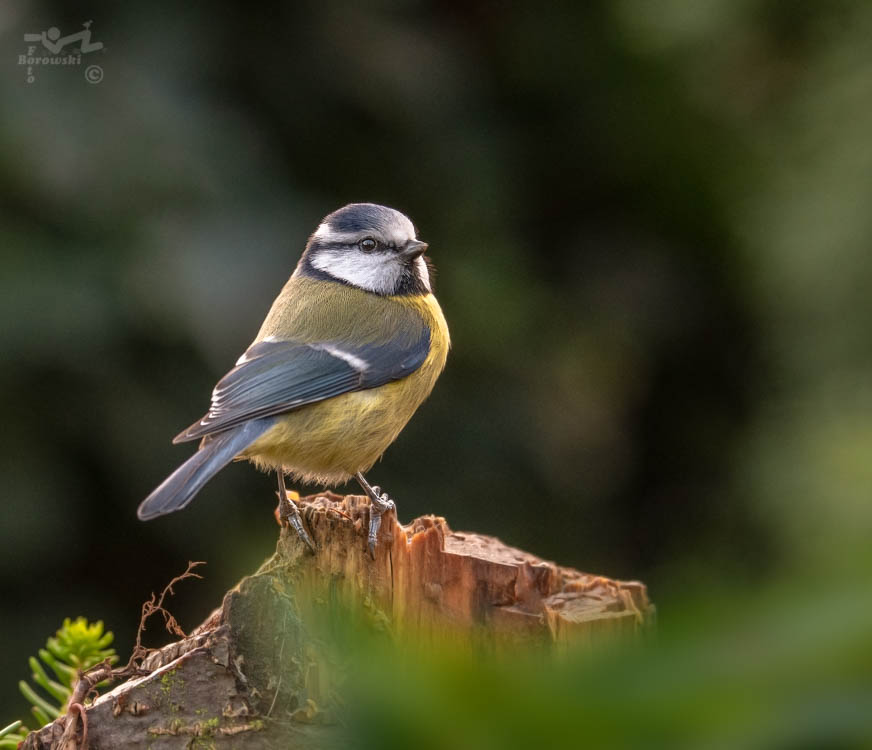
x=652 y=226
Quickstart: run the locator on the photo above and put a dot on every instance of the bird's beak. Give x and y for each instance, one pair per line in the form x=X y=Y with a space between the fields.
x=413 y=249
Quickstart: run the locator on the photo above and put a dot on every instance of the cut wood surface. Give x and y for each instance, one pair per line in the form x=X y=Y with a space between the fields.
x=252 y=674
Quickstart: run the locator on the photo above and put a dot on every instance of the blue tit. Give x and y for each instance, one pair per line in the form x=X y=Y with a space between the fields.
x=350 y=349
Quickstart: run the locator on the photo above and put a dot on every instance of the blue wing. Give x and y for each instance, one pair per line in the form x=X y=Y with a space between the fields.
x=179 y=488
x=274 y=377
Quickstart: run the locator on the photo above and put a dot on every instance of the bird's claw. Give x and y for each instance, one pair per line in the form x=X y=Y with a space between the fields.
x=297 y=524
x=380 y=503
x=289 y=516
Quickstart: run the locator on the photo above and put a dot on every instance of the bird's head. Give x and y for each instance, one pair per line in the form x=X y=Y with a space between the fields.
x=368 y=246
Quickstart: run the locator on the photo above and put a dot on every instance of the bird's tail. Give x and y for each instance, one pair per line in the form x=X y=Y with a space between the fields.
x=179 y=488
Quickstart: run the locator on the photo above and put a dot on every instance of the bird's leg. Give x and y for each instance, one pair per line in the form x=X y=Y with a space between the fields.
x=290 y=514
x=380 y=503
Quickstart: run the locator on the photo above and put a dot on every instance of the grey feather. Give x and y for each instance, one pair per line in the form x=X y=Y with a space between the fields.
x=180 y=487
x=274 y=377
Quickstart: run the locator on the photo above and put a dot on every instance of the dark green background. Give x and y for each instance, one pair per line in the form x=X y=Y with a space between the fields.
x=651 y=223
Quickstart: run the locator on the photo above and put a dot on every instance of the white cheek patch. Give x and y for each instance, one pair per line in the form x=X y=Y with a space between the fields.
x=375 y=272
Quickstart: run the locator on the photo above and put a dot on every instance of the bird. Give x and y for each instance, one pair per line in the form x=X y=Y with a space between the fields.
x=350 y=348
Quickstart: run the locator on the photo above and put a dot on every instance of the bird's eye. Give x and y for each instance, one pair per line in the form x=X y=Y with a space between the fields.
x=368 y=244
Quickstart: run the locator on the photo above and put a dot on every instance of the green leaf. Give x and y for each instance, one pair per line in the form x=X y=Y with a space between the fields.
x=58 y=651
x=57 y=691
x=39 y=703
x=11 y=728
x=42 y=718
x=65 y=673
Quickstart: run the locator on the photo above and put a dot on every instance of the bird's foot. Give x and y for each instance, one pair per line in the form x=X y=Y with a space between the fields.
x=380 y=503
x=289 y=515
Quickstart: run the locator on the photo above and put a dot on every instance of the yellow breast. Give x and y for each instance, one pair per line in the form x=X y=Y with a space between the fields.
x=330 y=441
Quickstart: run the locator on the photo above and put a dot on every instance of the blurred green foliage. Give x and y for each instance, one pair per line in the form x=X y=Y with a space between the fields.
x=779 y=674
x=652 y=232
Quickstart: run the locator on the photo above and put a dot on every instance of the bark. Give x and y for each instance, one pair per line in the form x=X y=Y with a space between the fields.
x=252 y=675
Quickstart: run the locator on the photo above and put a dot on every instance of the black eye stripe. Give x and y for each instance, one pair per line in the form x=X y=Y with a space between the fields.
x=318 y=245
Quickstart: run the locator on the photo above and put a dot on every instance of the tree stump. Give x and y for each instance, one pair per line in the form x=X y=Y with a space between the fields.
x=253 y=674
